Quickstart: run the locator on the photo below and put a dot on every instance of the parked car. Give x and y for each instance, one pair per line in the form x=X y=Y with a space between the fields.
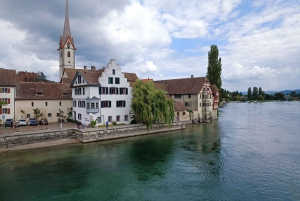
x=43 y=122
x=32 y=122
x=8 y=122
x=21 y=122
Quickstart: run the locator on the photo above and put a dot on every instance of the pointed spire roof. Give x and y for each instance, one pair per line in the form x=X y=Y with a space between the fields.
x=67 y=31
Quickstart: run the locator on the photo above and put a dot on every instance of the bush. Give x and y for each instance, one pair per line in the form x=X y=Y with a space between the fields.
x=93 y=123
x=114 y=123
x=133 y=121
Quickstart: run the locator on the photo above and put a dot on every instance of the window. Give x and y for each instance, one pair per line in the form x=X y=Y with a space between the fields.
x=28 y=115
x=57 y=114
x=79 y=79
x=32 y=104
x=59 y=103
x=183 y=113
x=99 y=119
x=68 y=45
x=69 y=55
x=177 y=96
x=187 y=104
x=120 y=104
x=7 y=100
x=126 y=117
x=113 y=90
x=79 y=116
x=78 y=91
x=113 y=71
x=189 y=96
x=5 y=111
x=79 y=103
x=74 y=103
x=105 y=104
x=117 y=80
x=110 y=80
x=123 y=90
x=92 y=105
x=109 y=118
x=199 y=104
x=4 y=90
x=49 y=114
x=46 y=103
x=83 y=104
x=88 y=105
x=103 y=90
x=118 y=117
x=83 y=91
x=97 y=105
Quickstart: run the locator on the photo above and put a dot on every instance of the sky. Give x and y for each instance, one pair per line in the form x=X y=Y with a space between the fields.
x=258 y=40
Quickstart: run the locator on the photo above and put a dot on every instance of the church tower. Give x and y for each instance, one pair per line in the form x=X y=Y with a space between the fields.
x=66 y=47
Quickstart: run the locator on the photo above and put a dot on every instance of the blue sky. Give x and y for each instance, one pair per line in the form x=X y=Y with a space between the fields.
x=258 y=40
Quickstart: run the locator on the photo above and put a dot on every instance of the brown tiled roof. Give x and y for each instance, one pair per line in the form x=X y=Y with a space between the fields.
x=184 y=85
x=27 y=76
x=161 y=86
x=214 y=89
x=8 y=77
x=147 y=80
x=131 y=77
x=90 y=76
x=43 y=91
x=178 y=106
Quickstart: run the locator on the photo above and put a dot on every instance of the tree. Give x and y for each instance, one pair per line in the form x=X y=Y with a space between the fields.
x=151 y=105
x=260 y=91
x=2 y=103
x=255 y=93
x=214 y=68
x=279 y=96
x=37 y=113
x=249 y=93
x=43 y=77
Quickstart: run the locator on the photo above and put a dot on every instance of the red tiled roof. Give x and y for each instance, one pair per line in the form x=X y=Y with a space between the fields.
x=178 y=106
x=43 y=91
x=131 y=77
x=214 y=89
x=184 y=85
x=27 y=76
x=147 y=80
x=8 y=77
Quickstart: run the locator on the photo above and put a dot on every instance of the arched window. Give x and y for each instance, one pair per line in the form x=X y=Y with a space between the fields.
x=69 y=54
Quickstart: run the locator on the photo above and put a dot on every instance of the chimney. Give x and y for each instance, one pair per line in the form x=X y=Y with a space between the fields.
x=93 y=68
x=192 y=76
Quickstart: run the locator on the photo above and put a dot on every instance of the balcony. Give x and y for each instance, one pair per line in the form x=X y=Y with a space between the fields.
x=92 y=110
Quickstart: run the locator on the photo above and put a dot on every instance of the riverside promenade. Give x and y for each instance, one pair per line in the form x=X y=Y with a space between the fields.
x=50 y=135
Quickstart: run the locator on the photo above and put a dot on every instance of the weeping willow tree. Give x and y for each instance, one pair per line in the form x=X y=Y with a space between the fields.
x=151 y=105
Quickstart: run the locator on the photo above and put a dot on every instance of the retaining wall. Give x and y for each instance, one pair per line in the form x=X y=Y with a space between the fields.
x=98 y=135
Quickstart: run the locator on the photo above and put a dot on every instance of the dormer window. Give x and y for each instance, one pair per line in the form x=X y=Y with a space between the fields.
x=68 y=45
x=79 y=79
x=113 y=71
x=39 y=93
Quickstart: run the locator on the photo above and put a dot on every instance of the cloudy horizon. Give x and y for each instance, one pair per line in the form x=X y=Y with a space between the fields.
x=257 y=40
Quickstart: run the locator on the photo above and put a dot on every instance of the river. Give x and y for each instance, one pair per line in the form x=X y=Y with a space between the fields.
x=252 y=152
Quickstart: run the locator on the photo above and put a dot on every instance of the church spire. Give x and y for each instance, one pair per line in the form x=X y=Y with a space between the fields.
x=67 y=31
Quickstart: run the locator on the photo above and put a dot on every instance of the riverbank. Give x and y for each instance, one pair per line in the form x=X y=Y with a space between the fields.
x=40 y=144
x=50 y=136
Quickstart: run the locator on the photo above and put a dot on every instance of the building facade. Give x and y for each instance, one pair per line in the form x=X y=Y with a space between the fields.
x=7 y=93
x=101 y=95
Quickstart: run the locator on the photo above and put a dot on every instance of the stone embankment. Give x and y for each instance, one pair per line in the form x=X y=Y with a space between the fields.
x=9 y=141
x=122 y=132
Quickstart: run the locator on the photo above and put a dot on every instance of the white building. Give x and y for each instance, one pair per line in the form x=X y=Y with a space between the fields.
x=102 y=95
x=7 y=93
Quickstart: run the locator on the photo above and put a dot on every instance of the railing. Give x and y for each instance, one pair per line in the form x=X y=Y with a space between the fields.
x=92 y=110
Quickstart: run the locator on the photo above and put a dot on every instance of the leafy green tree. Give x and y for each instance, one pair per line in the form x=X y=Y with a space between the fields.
x=43 y=77
x=279 y=96
x=260 y=91
x=37 y=113
x=214 y=68
x=249 y=93
x=255 y=93
x=151 y=105
x=2 y=103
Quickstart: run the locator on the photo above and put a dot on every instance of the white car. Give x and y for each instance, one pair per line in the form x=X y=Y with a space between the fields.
x=22 y=122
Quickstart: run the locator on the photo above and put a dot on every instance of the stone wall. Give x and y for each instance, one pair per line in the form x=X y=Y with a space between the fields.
x=98 y=135
x=18 y=139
